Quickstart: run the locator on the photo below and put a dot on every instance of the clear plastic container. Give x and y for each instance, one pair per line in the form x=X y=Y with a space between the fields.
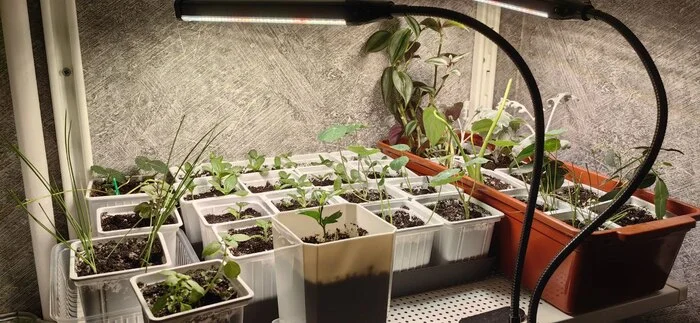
x=220 y=206
x=413 y=246
x=66 y=302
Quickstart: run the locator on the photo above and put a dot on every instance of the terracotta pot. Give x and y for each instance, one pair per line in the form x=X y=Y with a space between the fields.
x=611 y=266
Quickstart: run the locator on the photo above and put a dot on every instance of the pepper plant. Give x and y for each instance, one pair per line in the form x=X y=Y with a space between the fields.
x=322 y=197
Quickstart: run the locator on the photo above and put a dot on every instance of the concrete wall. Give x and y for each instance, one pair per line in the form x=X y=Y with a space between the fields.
x=279 y=86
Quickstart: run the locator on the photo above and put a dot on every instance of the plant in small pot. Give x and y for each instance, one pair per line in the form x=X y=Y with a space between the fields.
x=256 y=163
x=333 y=264
x=283 y=181
x=226 y=210
x=283 y=161
x=303 y=199
x=333 y=135
x=208 y=291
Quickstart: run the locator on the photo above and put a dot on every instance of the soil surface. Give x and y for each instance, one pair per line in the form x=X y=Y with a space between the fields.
x=289 y=204
x=580 y=225
x=248 y=213
x=453 y=210
x=112 y=222
x=103 y=188
x=371 y=196
x=261 y=189
x=496 y=183
x=419 y=190
x=123 y=255
x=539 y=205
x=321 y=180
x=580 y=197
x=223 y=290
x=635 y=215
x=211 y=193
x=403 y=219
x=352 y=299
x=378 y=175
x=253 y=245
x=503 y=161
x=337 y=235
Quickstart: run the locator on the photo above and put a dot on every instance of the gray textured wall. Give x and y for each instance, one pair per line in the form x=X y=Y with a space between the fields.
x=281 y=85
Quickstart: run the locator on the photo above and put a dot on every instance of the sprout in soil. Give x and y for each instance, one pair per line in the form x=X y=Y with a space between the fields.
x=237 y=212
x=282 y=161
x=287 y=181
x=333 y=135
x=300 y=197
x=224 y=175
x=114 y=180
x=451 y=176
x=256 y=163
x=322 y=197
x=184 y=293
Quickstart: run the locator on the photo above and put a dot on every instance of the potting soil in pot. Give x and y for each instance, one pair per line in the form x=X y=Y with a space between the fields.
x=261 y=189
x=540 y=206
x=634 y=215
x=104 y=188
x=289 y=205
x=321 y=180
x=223 y=290
x=122 y=221
x=126 y=254
x=378 y=175
x=453 y=210
x=370 y=196
x=351 y=231
x=402 y=219
x=496 y=183
x=226 y=217
x=254 y=245
x=419 y=190
x=210 y=193
x=579 y=197
x=337 y=302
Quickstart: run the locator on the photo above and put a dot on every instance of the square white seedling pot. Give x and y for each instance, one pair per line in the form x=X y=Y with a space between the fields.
x=341 y=281
x=96 y=202
x=395 y=193
x=421 y=181
x=395 y=176
x=258 y=269
x=109 y=292
x=510 y=180
x=464 y=239
x=251 y=180
x=275 y=197
x=227 y=311
x=413 y=246
x=169 y=231
x=559 y=205
x=220 y=206
x=189 y=214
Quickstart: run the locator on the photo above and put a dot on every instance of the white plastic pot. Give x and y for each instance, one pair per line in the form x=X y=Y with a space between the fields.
x=226 y=311
x=559 y=205
x=169 y=231
x=413 y=246
x=463 y=239
x=346 y=281
x=96 y=202
x=400 y=184
x=305 y=160
x=256 y=179
x=512 y=181
x=220 y=206
x=258 y=269
x=378 y=168
x=395 y=193
x=189 y=214
x=275 y=197
x=110 y=292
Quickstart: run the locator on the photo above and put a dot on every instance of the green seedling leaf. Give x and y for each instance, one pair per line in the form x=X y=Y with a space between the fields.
x=447 y=176
x=482 y=126
x=476 y=161
x=414 y=25
x=432 y=24
x=378 y=41
x=240 y=237
x=660 y=198
x=401 y=147
x=399 y=163
x=410 y=128
x=211 y=249
x=232 y=270
x=160 y=303
x=333 y=133
x=435 y=125
x=148 y=165
x=363 y=151
x=398 y=44
x=649 y=180
x=108 y=173
x=333 y=218
x=314 y=214
x=552 y=144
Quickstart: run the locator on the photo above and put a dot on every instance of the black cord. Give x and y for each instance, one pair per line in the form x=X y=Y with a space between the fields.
x=531 y=84
x=653 y=152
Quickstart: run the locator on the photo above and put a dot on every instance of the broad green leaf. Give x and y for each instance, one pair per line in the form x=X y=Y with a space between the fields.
x=333 y=218
x=414 y=25
x=476 y=161
x=482 y=126
x=333 y=133
x=312 y=214
x=232 y=269
x=211 y=249
x=526 y=152
x=404 y=85
x=377 y=41
x=435 y=125
x=363 y=151
x=401 y=147
x=660 y=198
x=388 y=89
x=146 y=164
x=398 y=44
x=432 y=24
x=410 y=127
x=552 y=144
x=447 y=176
x=240 y=237
x=196 y=289
x=450 y=23
x=438 y=61
x=399 y=163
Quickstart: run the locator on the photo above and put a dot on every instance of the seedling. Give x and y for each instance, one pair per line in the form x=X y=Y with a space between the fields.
x=451 y=176
x=237 y=212
x=115 y=181
x=266 y=227
x=256 y=163
x=300 y=197
x=322 y=197
x=282 y=161
x=287 y=181
x=333 y=135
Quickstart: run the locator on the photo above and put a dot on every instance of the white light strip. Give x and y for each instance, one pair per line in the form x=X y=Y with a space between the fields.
x=516 y=8
x=261 y=20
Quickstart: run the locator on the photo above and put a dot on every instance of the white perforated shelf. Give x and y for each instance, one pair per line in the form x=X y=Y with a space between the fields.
x=451 y=304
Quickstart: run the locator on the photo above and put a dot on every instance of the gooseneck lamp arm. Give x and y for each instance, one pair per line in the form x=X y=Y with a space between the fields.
x=355 y=12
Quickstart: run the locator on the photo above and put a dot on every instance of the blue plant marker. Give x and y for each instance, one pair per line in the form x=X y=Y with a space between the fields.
x=116 y=187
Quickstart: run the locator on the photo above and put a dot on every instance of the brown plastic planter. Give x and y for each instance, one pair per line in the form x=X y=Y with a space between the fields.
x=610 y=267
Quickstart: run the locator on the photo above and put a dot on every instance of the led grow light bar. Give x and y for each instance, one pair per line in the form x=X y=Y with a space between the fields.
x=554 y=9
x=266 y=20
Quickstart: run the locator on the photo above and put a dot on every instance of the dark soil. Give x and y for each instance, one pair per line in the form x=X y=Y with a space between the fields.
x=503 y=161
x=227 y=217
x=403 y=219
x=261 y=189
x=635 y=215
x=321 y=180
x=335 y=236
x=539 y=206
x=254 y=245
x=453 y=210
x=223 y=290
x=112 y=222
x=211 y=193
x=197 y=174
x=372 y=195
x=378 y=175
x=419 y=190
x=103 y=188
x=581 y=225
x=580 y=197
x=350 y=300
x=496 y=183
x=289 y=204
x=126 y=255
